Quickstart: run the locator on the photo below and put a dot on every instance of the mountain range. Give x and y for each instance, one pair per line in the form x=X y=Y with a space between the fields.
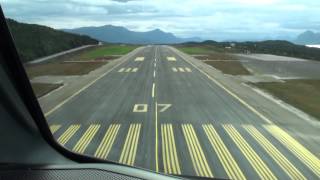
x=308 y=37
x=118 y=34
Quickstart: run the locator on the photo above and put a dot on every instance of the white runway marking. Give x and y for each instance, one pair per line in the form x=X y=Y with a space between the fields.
x=174 y=69
x=140 y=108
x=171 y=59
x=153 y=89
x=139 y=59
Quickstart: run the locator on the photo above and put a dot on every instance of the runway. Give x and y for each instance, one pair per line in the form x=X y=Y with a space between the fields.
x=159 y=111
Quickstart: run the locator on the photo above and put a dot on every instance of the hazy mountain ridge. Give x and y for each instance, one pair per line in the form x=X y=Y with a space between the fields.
x=35 y=41
x=308 y=37
x=118 y=34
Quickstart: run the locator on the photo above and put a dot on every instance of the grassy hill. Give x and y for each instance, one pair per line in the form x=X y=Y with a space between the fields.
x=35 y=41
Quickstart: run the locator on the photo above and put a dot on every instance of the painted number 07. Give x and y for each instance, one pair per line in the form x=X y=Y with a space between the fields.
x=144 y=107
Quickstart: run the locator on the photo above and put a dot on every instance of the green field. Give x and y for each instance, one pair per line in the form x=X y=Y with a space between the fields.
x=303 y=94
x=108 y=50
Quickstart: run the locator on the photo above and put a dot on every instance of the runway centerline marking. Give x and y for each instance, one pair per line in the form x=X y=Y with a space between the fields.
x=153 y=89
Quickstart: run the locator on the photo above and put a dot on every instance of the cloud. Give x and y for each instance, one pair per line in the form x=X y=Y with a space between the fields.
x=209 y=19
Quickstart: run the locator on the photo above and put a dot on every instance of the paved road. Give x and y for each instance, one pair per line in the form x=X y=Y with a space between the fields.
x=160 y=112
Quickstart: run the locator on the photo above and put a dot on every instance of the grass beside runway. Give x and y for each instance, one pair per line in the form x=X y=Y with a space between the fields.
x=303 y=94
x=41 y=89
x=229 y=67
x=213 y=55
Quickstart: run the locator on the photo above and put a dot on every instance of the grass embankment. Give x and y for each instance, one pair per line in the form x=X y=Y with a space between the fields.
x=217 y=58
x=303 y=94
x=91 y=60
x=41 y=89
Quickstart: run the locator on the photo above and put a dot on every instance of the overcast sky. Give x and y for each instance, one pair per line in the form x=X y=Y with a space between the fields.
x=207 y=19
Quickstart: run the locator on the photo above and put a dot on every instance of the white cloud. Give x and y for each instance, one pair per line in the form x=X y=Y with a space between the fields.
x=229 y=19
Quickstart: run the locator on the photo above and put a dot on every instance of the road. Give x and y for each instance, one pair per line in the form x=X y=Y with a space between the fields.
x=159 y=111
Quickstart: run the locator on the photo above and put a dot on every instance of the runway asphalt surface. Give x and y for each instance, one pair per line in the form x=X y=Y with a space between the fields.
x=157 y=111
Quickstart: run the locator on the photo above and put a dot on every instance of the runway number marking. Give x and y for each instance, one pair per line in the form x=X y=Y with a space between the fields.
x=140 y=108
x=144 y=107
x=171 y=59
x=139 y=59
x=164 y=107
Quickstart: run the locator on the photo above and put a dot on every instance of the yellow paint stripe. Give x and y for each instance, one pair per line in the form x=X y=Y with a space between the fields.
x=181 y=69
x=107 y=141
x=128 y=70
x=131 y=143
x=133 y=150
x=125 y=147
x=54 y=128
x=65 y=137
x=134 y=69
x=156 y=136
x=259 y=166
x=199 y=161
x=121 y=70
x=276 y=155
x=188 y=69
x=231 y=167
x=176 y=166
x=86 y=138
x=174 y=69
x=305 y=156
x=169 y=153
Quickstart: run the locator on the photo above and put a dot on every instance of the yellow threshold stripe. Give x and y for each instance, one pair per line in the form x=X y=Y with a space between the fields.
x=259 y=166
x=169 y=153
x=229 y=164
x=276 y=155
x=121 y=70
x=133 y=149
x=107 y=141
x=130 y=146
x=86 y=138
x=65 y=137
x=181 y=69
x=134 y=69
x=128 y=70
x=188 y=69
x=305 y=156
x=174 y=69
x=199 y=161
x=54 y=128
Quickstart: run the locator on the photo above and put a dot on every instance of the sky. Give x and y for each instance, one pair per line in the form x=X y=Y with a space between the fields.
x=208 y=19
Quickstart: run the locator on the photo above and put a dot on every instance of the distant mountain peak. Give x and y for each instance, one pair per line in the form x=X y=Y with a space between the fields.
x=119 y=34
x=308 y=37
